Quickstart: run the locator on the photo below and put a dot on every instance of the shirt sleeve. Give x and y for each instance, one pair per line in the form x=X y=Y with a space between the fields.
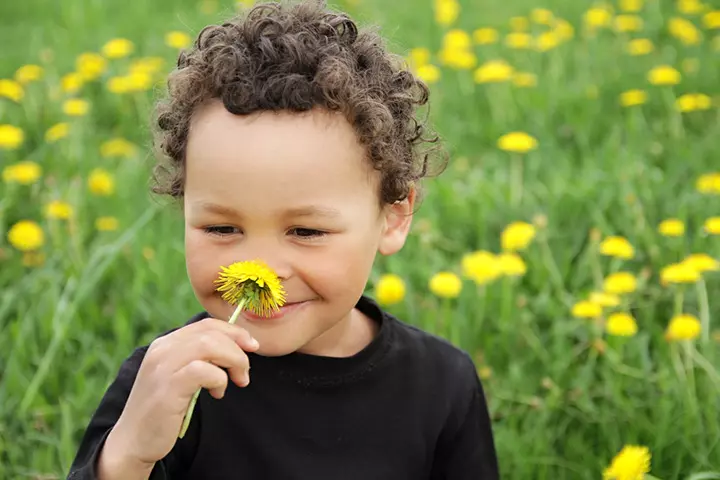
x=466 y=448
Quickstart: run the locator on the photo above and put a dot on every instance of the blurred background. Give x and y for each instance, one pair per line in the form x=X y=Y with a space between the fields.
x=571 y=246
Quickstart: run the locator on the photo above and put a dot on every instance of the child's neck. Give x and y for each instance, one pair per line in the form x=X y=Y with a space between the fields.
x=346 y=338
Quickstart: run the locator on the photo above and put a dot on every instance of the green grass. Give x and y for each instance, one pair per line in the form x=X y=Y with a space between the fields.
x=561 y=408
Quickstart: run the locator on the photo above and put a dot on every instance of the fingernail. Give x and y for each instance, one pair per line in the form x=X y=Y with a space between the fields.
x=254 y=343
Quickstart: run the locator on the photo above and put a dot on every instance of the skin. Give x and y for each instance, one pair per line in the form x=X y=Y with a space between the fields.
x=296 y=191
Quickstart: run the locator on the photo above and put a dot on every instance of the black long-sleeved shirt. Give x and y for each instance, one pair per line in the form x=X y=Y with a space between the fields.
x=408 y=406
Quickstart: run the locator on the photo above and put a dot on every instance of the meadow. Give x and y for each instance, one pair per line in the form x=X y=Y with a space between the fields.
x=572 y=244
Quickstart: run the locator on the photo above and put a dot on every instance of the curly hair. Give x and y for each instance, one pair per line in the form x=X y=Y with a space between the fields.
x=296 y=58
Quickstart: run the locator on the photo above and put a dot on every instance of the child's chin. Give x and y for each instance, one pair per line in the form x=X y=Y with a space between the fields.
x=275 y=350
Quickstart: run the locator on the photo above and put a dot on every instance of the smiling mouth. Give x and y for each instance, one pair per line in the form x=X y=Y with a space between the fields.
x=281 y=312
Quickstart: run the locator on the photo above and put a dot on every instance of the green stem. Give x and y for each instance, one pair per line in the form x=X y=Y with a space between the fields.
x=704 y=310
x=193 y=401
x=516 y=180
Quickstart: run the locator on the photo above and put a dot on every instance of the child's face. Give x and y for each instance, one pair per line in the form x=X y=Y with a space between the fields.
x=295 y=191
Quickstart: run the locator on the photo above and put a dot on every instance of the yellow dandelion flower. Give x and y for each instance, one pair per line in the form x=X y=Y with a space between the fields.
x=176 y=39
x=712 y=226
x=517 y=236
x=702 y=262
x=484 y=372
x=446 y=12
x=456 y=39
x=24 y=173
x=631 y=6
x=672 y=227
x=29 y=73
x=147 y=65
x=56 y=132
x=547 y=41
x=524 y=79
x=33 y=259
x=664 y=75
x=458 y=58
x=253 y=284
x=518 y=40
x=117 y=147
x=429 y=74
x=445 y=285
x=118 y=48
x=586 y=309
x=564 y=29
x=11 y=89
x=621 y=324
x=485 y=36
x=26 y=236
x=511 y=264
x=639 y=46
x=419 y=56
x=619 y=283
x=90 y=66
x=690 y=102
x=101 y=182
x=76 y=107
x=632 y=463
x=679 y=273
x=628 y=23
x=517 y=142
x=59 y=210
x=683 y=327
x=541 y=16
x=71 y=83
x=708 y=183
x=711 y=20
x=690 y=7
x=684 y=30
x=107 y=224
x=632 y=98
x=597 y=17
x=493 y=71
x=519 y=24
x=119 y=85
x=618 y=247
x=390 y=289
x=11 y=137
x=605 y=299
x=480 y=266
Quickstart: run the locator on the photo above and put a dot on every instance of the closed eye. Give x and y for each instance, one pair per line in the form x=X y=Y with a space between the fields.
x=221 y=230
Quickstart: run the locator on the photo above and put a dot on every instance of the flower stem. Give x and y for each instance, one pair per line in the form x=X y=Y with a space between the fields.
x=193 y=401
x=704 y=310
x=516 y=180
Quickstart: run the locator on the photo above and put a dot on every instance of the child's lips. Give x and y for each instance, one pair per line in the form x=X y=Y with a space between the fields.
x=284 y=310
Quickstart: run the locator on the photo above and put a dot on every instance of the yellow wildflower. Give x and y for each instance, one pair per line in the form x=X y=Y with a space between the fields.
x=11 y=89
x=690 y=7
x=446 y=12
x=679 y=273
x=484 y=372
x=445 y=285
x=71 y=83
x=252 y=285
x=493 y=71
x=684 y=30
x=11 y=137
x=118 y=48
x=632 y=98
x=456 y=39
x=664 y=75
x=683 y=327
x=632 y=463
x=26 y=236
x=90 y=66
x=76 y=107
x=390 y=289
x=481 y=266
x=628 y=23
x=712 y=225
x=517 y=142
x=541 y=16
x=524 y=79
x=605 y=299
x=59 y=210
x=511 y=265
x=519 y=24
x=621 y=324
x=28 y=73
x=24 y=173
x=702 y=262
x=615 y=246
x=485 y=36
x=147 y=65
x=101 y=182
x=57 y=131
x=693 y=101
x=429 y=74
x=672 y=227
x=547 y=41
x=597 y=17
x=518 y=40
x=619 y=283
x=631 y=6
x=708 y=183
x=639 y=46
x=564 y=30
x=586 y=309
x=418 y=57
x=176 y=39
x=711 y=20
x=107 y=224
x=517 y=236
x=117 y=147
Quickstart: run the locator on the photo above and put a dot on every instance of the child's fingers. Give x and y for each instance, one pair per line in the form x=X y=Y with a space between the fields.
x=241 y=336
x=199 y=374
x=217 y=348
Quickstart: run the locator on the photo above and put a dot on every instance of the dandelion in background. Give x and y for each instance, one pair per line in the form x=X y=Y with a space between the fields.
x=445 y=285
x=586 y=309
x=118 y=48
x=712 y=226
x=664 y=75
x=29 y=73
x=481 y=266
x=709 y=183
x=621 y=324
x=633 y=98
x=683 y=327
x=11 y=89
x=177 y=39
x=26 y=236
x=672 y=227
x=632 y=463
x=639 y=46
x=517 y=236
x=57 y=132
x=23 y=173
x=11 y=137
x=389 y=289
x=619 y=283
x=618 y=247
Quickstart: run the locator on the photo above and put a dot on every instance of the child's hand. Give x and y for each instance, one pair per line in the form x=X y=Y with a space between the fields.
x=174 y=368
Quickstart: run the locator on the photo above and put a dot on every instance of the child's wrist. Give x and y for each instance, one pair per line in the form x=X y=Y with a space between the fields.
x=117 y=462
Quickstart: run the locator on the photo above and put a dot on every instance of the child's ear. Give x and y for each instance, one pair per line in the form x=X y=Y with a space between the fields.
x=397 y=220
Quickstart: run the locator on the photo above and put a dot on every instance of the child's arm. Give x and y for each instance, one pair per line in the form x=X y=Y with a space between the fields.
x=466 y=449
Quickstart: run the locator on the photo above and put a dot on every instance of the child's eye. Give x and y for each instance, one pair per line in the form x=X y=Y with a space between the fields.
x=221 y=230
x=307 y=233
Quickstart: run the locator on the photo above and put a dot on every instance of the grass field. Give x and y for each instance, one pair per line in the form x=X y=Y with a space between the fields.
x=577 y=360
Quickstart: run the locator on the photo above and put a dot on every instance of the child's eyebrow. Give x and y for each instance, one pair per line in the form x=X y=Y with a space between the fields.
x=303 y=211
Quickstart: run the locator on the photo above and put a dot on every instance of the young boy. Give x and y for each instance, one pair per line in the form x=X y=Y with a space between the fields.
x=291 y=137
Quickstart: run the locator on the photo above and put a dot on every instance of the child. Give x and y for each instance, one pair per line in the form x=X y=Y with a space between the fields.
x=291 y=137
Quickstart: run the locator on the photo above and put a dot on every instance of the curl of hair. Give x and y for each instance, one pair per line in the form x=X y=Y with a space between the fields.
x=296 y=58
